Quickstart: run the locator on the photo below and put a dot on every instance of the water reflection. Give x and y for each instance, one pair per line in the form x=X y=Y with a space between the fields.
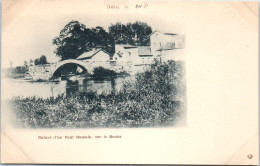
x=107 y=86
x=72 y=87
x=27 y=88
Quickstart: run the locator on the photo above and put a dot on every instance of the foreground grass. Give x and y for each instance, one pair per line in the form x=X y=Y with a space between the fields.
x=153 y=100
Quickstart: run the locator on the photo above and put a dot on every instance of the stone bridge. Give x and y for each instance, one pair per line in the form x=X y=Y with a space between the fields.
x=45 y=72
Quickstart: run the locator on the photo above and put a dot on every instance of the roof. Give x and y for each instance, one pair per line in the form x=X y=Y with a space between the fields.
x=90 y=54
x=162 y=33
x=126 y=46
x=153 y=33
x=170 y=33
x=167 y=46
x=144 y=51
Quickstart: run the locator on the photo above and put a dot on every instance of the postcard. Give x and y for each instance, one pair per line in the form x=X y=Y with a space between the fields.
x=129 y=82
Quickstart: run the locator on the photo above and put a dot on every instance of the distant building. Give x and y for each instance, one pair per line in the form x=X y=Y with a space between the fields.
x=123 y=56
x=129 y=56
x=167 y=46
x=124 y=53
x=164 y=47
x=96 y=57
x=145 y=56
x=134 y=55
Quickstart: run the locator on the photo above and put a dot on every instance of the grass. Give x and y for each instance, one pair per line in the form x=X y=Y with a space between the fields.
x=153 y=100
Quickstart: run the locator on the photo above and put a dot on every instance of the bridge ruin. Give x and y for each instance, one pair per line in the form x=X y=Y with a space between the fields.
x=46 y=72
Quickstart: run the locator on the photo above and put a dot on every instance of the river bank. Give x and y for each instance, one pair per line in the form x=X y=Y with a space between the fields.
x=154 y=99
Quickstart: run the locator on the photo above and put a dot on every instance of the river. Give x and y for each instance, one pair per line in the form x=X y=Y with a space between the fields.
x=27 y=88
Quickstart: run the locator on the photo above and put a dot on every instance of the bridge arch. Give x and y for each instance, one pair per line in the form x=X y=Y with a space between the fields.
x=80 y=63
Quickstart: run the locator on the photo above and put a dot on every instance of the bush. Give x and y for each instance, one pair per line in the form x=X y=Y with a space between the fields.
x=152 y=100
x=102 y=73
x=17 y=72
x=41 y=61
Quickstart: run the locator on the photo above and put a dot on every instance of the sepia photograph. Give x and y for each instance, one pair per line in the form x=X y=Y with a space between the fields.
x=124 y=75
x=129 y=82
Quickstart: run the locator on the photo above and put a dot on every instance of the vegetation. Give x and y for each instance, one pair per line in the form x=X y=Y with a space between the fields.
x=136 y=33
x=153 y=100
x=101 y=73
x=22 y=71
x=17 y=72
x=40 y=61
x=75 y=39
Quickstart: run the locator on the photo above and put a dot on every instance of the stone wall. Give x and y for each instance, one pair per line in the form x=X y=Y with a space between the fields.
x=41 y=72
x=45 y=72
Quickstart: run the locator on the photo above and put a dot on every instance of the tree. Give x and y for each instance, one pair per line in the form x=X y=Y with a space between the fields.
x=25 y=64
x=119 y=32
x=136 y=33
x=41 y=61
x=103 y=40
x=72 y=41
x=31 y=62
x=75 y=39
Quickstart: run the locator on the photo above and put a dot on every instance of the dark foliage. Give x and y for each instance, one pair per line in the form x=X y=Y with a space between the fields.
x=152 y=101
x=20 y=69
x=17 y=72
x=41 y=61
x=75 y=39
x=136 y=33
x=103 y=40
x=101 y=73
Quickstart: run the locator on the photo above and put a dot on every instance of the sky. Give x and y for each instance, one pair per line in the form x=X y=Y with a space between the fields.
x=31 y=32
